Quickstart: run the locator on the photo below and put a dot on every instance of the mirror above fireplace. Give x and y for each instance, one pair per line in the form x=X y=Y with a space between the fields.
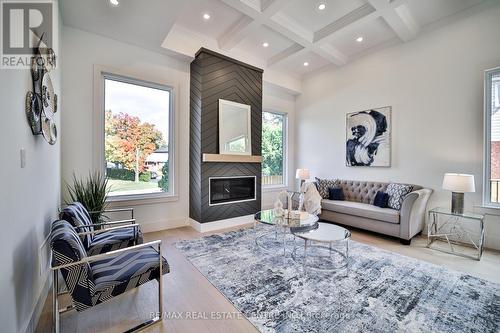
x=234 y=128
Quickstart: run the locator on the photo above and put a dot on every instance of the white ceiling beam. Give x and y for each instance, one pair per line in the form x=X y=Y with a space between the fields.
x=294 y=49
x=237 y=33
x=276 y=20
x=288 y=28
x=356 y=18
x=329 y=52
x=252 y=21
x=399 y=18
x=271 y=7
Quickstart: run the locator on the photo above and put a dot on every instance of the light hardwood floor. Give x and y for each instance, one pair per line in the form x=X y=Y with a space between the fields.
x=194 y=304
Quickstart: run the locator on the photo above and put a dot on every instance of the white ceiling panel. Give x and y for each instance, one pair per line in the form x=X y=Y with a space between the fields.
x=307 y=14
x=222 y=17
x=253 y=43
x=429 y=11
x=373 y=33
x=295 y=63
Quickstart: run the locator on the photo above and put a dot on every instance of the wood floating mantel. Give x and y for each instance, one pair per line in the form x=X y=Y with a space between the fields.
x=226 y=158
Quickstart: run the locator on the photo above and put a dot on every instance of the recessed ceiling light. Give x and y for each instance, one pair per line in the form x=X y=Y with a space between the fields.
x=306 y=64
x=321 y=6
x=206 y=16
x=265 y=44
x=359 y=39
x=114 y=2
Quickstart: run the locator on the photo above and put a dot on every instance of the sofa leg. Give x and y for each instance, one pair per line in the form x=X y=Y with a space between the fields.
x=405 y=241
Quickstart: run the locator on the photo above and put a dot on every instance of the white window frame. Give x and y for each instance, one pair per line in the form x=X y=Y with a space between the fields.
x=285 y=152
x=99 y=160
x=488 y=76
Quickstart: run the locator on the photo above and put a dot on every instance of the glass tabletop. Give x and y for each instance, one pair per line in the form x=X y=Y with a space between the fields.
x=268 y=217
x=447 y=211
x=325 y=232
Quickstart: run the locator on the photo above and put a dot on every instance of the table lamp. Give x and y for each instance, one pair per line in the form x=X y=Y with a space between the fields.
x=458 y=184
x=303 y=175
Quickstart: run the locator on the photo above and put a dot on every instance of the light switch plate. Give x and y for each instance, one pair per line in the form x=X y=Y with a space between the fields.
x=23 y=158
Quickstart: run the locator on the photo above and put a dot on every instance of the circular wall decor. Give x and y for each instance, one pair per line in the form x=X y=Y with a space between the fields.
x=49 y=59
x=49 y=129
x=49 y=97
x=33 y=109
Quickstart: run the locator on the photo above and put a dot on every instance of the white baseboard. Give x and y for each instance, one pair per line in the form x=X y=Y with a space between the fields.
x=164 y=225
x=221 y=224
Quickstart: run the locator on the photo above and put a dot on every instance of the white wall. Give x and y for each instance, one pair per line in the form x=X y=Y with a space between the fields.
x=82 y=51
x=435 y=87
x=28 y=201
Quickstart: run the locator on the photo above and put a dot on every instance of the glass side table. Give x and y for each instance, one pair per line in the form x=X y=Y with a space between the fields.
x=450 y=229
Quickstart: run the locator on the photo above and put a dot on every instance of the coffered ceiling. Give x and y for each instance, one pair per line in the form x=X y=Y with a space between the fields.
x=316 y=33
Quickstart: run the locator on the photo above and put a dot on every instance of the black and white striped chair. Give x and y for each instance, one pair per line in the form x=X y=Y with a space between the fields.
x=92 y=280
x=101 y=237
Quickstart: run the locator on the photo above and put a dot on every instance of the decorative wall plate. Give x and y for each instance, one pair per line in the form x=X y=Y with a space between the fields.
x=36 y=69
x=49 y=129
x=41 y=103
x=49 y=59
x=49 y=98
x=33 y=109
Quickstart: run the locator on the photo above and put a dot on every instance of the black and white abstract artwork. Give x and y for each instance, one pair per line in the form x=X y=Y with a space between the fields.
x=368 y=138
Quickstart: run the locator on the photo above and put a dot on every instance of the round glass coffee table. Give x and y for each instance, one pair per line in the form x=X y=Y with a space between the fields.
x=326 y=248
x=283 y=226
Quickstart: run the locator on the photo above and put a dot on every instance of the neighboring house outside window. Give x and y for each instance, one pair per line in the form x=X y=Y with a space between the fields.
x=137 y=137
x=274 y=143
x=492 y=139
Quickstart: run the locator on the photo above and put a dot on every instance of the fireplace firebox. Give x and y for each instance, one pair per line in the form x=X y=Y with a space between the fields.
x=226 y=190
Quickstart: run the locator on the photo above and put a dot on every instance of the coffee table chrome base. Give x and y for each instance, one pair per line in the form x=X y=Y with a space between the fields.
x=331 y=256
x=274 y=237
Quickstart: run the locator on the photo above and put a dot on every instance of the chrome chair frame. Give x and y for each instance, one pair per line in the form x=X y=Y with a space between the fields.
x=135 y=226
x=111 y=210
x=129 y=223
x=115 y=210
x=56 y=312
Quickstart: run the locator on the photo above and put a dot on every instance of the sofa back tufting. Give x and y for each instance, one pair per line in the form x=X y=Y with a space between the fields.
x=364 y=191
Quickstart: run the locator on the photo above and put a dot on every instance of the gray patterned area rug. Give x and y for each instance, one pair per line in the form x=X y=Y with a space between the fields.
x=381 y=292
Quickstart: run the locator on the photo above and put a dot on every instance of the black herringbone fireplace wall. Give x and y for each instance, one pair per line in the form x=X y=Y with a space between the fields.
x=213 y=77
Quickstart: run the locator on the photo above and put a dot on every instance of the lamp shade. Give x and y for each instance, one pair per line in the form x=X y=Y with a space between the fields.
x=302 y=174
x=460 y=183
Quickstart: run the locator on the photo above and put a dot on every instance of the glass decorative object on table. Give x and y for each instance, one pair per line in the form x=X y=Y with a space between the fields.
x=284 y=217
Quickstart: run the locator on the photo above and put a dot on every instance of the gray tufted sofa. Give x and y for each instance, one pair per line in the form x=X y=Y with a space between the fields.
x=357 y=210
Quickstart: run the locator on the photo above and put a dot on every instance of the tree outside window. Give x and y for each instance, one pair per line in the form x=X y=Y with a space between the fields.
x=273 y=148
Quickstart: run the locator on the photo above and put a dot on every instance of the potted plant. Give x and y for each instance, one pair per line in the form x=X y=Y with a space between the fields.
x=91 y=193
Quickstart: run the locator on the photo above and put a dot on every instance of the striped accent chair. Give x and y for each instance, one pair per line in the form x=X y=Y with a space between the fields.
x=103 y=240
x=92 y=280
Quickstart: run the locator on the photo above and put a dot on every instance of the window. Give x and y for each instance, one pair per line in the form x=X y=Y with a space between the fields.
x=137 y=137
x=492 y=139
x=274 y=149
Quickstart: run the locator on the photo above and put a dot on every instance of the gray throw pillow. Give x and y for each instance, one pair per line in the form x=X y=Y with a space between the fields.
x=323 y=186
x=397 y=193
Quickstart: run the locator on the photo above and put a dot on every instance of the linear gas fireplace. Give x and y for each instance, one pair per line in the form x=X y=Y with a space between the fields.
x=225 y=190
